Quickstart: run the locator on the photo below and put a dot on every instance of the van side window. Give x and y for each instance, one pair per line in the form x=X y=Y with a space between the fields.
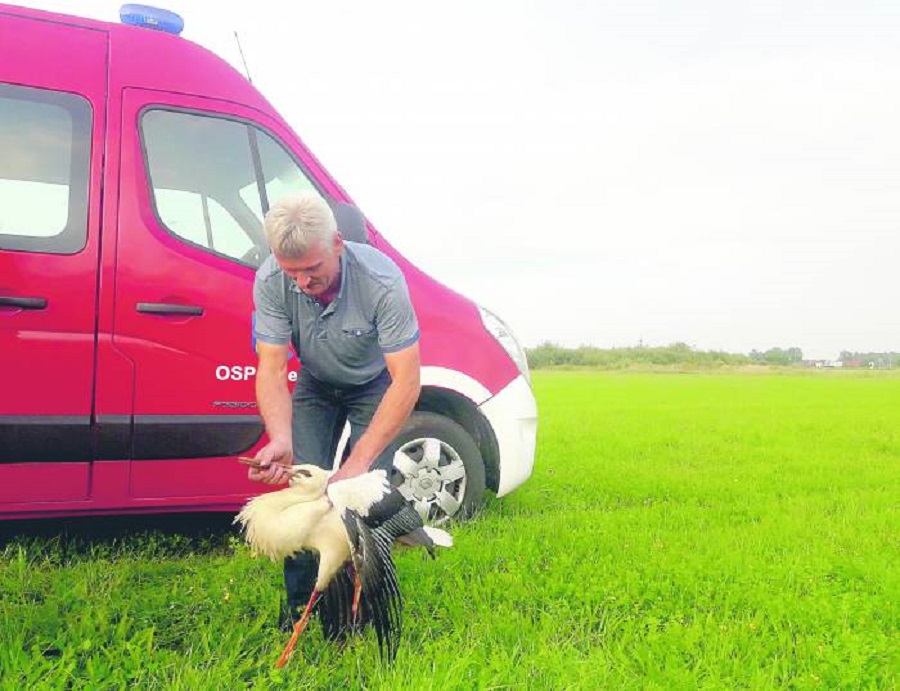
x=214 y=178
x=45 y=148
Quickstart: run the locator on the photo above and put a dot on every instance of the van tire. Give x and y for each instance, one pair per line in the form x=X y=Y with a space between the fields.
x=438 y=468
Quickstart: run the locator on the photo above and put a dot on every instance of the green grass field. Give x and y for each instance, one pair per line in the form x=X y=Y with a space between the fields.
x=680 y=531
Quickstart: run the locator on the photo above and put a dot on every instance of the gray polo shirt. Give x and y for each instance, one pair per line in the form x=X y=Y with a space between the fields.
x=343 y=343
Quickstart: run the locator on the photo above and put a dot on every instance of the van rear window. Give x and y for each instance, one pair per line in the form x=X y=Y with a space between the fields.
x=45 y=140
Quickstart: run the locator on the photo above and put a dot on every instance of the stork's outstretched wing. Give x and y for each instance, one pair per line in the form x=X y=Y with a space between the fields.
x=370 y=550
x=383 y=509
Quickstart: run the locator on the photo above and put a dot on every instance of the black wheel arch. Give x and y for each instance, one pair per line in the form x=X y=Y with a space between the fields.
x=465 y=413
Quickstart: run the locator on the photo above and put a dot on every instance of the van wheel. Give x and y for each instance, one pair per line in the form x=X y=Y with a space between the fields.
x=438 y=468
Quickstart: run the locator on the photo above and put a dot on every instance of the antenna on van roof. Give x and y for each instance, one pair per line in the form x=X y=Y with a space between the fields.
x=241 y=51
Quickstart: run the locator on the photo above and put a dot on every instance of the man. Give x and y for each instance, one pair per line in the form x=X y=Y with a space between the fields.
x=345 y=308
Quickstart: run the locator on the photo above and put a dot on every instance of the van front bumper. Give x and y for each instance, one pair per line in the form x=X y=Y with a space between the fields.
x=512 y=414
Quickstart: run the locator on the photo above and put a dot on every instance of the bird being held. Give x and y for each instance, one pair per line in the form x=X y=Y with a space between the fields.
x=352 y=525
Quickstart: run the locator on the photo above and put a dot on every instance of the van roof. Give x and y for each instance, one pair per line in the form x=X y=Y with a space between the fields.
x=151 y=59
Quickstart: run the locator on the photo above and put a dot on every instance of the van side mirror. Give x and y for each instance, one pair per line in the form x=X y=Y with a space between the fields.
x=351 y=222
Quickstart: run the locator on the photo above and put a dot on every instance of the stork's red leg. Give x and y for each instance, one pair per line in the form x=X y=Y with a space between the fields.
x=299 y=627
x=357 y=591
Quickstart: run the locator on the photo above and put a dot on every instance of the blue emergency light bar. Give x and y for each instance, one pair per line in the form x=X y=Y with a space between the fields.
x=151 y=18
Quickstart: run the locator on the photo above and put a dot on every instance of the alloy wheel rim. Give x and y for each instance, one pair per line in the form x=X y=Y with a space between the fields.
x=431 y=475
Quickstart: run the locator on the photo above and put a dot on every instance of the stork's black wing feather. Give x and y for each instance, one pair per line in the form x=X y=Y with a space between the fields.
x=393 y=516
x=371 y=553
x=388 y=505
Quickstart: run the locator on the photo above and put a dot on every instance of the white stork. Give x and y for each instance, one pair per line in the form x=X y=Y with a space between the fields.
x=352 y=525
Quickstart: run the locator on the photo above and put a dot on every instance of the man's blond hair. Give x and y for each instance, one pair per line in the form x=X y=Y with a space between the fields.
x=298 y=222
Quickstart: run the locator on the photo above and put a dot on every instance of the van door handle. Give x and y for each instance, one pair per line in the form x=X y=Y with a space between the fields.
x=167 y=308
x=24 y=303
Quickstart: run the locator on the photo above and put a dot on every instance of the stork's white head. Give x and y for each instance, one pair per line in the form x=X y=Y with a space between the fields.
x=309 y=480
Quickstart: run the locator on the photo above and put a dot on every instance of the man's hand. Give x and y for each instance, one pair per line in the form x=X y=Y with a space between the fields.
x=347 y=471
x=274 y=460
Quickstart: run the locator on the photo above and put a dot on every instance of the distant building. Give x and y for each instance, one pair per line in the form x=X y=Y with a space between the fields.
x=827 y=364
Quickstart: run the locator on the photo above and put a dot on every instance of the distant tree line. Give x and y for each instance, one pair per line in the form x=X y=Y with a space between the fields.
x=777 y=356
x=552 y=355
x=681 y=354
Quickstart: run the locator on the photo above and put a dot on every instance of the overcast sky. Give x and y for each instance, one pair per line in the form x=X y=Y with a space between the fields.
x=715 y=172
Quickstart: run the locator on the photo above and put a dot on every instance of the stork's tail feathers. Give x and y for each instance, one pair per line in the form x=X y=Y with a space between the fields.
x=439 y=537
x=426 y=537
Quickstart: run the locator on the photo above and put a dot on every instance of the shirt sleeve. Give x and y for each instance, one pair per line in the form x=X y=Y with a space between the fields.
x=395 y=318
x=271 y=322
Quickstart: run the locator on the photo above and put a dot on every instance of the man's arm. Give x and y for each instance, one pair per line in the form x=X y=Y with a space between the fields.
x=391 y=414
x=274 y=401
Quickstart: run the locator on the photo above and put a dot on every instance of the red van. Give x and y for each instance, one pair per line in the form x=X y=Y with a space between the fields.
x=135 y=169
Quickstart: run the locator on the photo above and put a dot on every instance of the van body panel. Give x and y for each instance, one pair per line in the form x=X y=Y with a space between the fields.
x=47 y=363
x=61 y=483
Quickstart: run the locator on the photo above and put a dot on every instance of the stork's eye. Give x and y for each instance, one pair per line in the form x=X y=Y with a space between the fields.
x=304 y=472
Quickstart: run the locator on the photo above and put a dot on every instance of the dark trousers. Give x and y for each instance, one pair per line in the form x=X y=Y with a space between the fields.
x=320 y=411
